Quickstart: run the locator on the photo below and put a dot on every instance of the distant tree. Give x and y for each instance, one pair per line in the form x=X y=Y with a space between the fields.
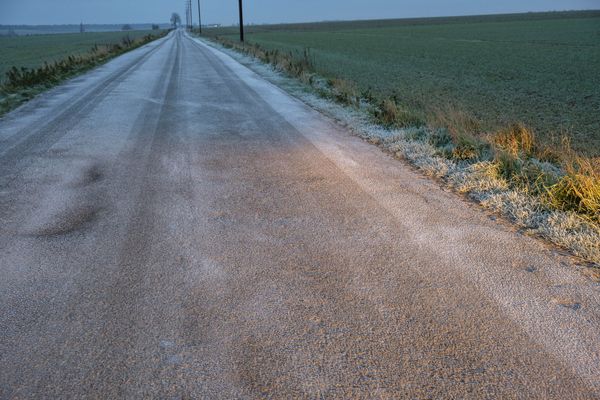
x=126 y=27
x=155 y=27
x=175 y=20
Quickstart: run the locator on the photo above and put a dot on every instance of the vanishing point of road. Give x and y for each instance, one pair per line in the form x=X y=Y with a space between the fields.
x=174 y=226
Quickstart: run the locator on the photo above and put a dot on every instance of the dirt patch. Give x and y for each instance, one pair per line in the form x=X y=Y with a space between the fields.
x=91 y=175
x=69 y=221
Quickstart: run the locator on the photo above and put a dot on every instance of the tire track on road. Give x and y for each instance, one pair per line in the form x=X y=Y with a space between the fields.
x=126 y=289
x=70 y=344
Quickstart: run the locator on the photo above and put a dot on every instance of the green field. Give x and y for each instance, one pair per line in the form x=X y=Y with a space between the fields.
x=539 y=69
x=32 y=51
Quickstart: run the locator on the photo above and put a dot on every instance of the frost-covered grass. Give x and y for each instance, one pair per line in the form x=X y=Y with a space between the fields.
x=506 y=171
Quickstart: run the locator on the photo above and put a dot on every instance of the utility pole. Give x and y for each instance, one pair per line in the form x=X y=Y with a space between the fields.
x=241 y=21
x=199 y=19
x=187 y=15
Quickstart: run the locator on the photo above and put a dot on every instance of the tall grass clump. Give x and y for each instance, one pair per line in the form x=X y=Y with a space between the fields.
x=468 y=147
x=516 y=140
x=345 y=92
x=457 y=134
x=513 y=148
x=390 y=114
x=454 y=119
x=578 y=189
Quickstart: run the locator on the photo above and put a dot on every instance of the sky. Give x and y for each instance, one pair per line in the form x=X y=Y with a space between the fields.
x=13 y=12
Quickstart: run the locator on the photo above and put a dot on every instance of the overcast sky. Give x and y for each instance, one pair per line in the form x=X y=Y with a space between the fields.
x=262 y=11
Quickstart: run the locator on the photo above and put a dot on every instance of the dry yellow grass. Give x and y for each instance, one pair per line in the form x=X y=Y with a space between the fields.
x=345 y=92
x=389 y=113
x=468 y=147
x=517 y=140
x=454 y=119
x=579 y=189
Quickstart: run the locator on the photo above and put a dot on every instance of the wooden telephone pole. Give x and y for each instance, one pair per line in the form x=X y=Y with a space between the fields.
x=199 y=19
x=241 y=21
x=188 y=14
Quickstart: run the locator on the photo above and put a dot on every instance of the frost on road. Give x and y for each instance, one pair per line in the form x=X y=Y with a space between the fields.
x=171 y=225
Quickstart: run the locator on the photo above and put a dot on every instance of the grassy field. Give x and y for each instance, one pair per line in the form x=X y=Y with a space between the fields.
x=539 y=69
x=32 y=64
x=33 y=51
x=73 y=28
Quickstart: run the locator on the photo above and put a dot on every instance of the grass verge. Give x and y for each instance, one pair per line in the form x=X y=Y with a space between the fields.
x=22 y=84
x=548 y=190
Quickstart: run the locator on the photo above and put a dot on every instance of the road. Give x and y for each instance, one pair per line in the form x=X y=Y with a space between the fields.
x=174 y=226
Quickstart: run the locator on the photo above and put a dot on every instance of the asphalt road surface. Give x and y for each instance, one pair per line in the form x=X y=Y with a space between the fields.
x=174 y=226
